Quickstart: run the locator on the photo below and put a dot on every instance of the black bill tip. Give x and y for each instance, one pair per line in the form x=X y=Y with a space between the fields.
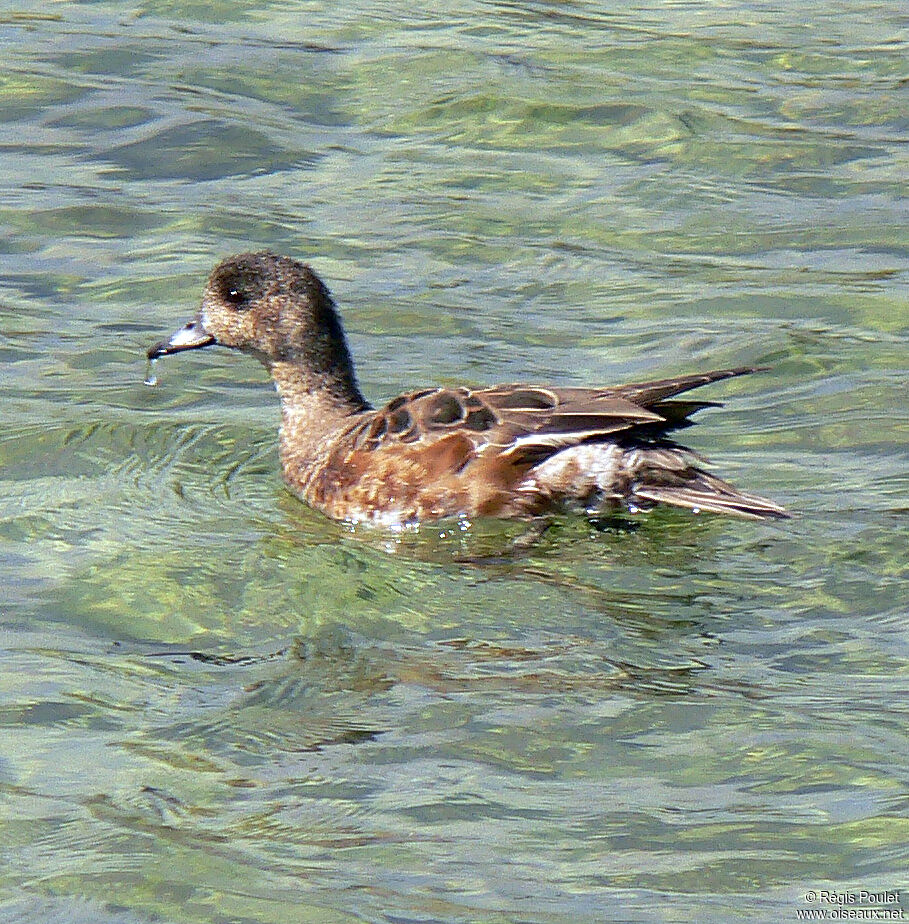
x=191 y=336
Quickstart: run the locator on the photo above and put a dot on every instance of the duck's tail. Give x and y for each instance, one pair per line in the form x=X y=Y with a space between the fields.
x=667 y=475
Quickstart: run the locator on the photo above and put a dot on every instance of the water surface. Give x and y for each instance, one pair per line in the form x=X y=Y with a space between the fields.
x=217 y=706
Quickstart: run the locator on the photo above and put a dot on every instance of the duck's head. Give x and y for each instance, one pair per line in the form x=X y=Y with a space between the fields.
x=273 y=307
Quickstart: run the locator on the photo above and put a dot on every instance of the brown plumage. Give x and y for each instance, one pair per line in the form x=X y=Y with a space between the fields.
x=507 y=451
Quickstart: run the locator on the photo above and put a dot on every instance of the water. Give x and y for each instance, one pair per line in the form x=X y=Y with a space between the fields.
x=217 y=706
x=151 y=376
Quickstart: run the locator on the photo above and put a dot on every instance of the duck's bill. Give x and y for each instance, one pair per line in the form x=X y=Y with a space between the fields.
x=191 y=336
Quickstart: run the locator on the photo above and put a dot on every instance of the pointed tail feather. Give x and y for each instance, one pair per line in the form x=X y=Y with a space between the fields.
x=665 y=475
x=710 y=494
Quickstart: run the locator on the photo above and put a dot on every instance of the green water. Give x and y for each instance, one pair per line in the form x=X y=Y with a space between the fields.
x=216 y=705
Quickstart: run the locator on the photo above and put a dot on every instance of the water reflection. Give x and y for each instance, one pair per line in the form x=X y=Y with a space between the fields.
x=216 y=703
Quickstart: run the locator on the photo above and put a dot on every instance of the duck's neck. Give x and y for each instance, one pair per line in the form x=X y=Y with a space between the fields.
x=313 y=407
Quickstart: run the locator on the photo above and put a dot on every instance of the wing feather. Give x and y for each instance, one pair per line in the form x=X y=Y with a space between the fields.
x=526 y=422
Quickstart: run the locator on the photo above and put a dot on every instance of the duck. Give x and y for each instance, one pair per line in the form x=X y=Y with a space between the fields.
x=507 y=451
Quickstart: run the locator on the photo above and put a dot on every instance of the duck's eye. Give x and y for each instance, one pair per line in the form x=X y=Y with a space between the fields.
x=235 y=296
x=237 y=290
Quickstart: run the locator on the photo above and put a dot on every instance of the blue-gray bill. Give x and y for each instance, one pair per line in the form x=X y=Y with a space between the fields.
x=192 y=336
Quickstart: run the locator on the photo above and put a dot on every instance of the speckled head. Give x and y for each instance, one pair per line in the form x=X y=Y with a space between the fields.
x=277 y=309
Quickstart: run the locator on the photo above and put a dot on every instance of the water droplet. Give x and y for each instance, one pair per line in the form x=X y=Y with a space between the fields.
x=150 y=378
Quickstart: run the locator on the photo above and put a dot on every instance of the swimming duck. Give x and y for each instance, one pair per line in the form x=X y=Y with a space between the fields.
x=511 y=450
